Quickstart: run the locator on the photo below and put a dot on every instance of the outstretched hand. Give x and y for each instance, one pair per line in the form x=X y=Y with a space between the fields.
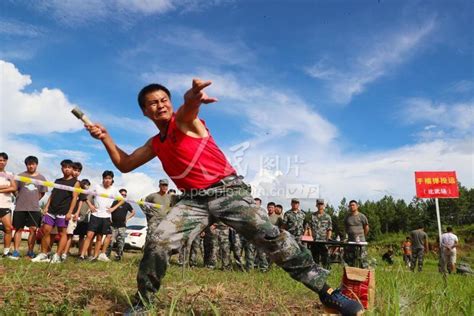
x=196 y=95
x=97 y=131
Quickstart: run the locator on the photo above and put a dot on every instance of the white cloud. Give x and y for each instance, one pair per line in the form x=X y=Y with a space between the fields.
x=16 y=28
x=458 y=117
x=40 y=112
x=462 y=86
x=78 y=12
x=366 y=66
x=227 y=52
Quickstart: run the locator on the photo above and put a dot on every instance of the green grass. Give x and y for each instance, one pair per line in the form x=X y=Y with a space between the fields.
x=104 y=288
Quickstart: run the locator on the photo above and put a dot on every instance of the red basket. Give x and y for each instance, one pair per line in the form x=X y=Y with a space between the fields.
x=359 y=284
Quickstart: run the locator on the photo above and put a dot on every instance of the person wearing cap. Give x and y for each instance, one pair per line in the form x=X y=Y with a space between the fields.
x=162 y=197
x=320 y=225
x=293 y=220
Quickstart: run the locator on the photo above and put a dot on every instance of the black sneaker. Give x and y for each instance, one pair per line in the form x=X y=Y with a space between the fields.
x=338 y=301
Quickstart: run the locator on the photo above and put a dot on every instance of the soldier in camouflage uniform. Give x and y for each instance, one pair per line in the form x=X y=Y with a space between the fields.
x=249 y=253
x=236 y=247
x=209 y=241
x=320 y=225
x=222 y=248
x=212 y=191
x=248 y=248
x=293 y=220
x=196 y=247
x=189 y=252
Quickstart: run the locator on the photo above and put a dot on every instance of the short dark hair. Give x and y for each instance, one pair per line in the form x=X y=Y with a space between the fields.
x=150 y=88
x=279 y=206
x=271 y=203
x=449 y=229
x=258 y=199
x=31 y=159
x=77 y=165
x=107 y=173
x=171 y=191
x=353 y=201
x=123 y=190
x=4 y=155
x=66 y=163
x=84 y=182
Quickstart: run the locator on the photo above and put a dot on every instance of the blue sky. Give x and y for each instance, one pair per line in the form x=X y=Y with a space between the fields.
x=362 y=92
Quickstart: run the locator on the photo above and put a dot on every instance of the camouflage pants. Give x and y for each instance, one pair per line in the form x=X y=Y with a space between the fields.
x=189 y=252
x=249 y=253
x=261 y=260
x=222 y=248
x=235 y=247
x=352 y=253
x=235 y=207
x=118 y=240
x=210 y=242
x=417 y=255
x=195 y=248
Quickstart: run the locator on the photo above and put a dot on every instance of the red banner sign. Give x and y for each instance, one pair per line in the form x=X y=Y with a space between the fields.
x=436 y=184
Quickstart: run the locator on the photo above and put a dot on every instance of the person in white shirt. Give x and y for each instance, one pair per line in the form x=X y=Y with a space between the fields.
x=7 y=187
x=449 y=241
x=100 y=220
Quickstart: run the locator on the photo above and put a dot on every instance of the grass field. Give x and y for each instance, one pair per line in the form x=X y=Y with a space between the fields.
x=84 y=288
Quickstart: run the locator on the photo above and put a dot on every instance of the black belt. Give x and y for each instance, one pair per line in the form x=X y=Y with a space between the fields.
x=225 y=181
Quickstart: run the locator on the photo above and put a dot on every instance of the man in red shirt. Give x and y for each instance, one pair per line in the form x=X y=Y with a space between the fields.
x=212 y=189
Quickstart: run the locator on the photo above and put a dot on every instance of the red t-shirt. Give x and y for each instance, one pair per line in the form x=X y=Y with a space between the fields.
x=192 y=163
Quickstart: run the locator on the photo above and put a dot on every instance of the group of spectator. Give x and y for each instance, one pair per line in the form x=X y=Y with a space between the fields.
x=94 y=218
x=220 y=242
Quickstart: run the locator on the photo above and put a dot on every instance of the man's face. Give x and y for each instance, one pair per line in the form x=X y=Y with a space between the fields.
x=66 y=170
x=258 y=202
x=107 y=181
x=31 y=167
x=353 y=207
x=163 y=188
x=295 y=205
x=123 y=193
x=270 y=209
x=76 y=172
x=3 y=163
x=158 y=106
x=321 y=207
x=278 y=210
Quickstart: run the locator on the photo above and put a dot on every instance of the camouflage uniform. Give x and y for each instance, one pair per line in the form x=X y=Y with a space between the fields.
x=319 y=225
x=235 y=207
x=235 y=247
x=189 y=252
x=293 y=222
x=261 y=260
x=196 y=247
x=210 y=241
x=249 y=253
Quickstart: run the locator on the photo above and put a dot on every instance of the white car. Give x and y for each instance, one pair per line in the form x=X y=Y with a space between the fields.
x=136 y=235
